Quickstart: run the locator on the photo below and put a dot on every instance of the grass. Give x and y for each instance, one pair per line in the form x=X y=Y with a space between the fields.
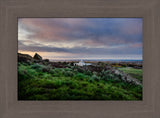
x=71 y=84
x=136 y=73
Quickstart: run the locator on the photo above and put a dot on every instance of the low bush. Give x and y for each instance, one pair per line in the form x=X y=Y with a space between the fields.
x=71 y=84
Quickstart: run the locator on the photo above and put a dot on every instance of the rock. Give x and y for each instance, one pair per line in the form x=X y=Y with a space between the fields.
x=24 y=58
x=46 y=70
x=37 y=57
x=46 y=60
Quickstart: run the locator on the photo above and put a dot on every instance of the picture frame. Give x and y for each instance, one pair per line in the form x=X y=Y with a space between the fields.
x=10 y=11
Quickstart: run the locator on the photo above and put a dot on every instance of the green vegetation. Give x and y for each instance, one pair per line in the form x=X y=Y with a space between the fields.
x=40 y=82
x=136 y=73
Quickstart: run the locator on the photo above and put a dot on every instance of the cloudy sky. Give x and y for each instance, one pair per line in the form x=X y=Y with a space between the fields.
x=81 y=38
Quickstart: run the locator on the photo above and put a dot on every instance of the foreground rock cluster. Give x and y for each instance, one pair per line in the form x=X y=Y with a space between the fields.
x=25 y=58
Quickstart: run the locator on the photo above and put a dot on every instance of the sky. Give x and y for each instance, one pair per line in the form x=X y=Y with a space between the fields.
x=81 y=38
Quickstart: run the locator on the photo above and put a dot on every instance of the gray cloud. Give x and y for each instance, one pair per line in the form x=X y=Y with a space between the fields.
x=81 y=50
x=102 y=35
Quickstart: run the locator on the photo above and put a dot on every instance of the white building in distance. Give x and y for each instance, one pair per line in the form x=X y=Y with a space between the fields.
x=82 y=63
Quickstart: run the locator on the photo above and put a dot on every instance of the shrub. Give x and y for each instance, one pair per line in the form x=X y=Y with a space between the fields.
x=46 y=76
x=57 y=72
x=95 y=77
x=80 y=70
x=38 y=97
x=25 y=72
x=40 y=67
x=69 y=84
x=80 y=76
x=88 y=73
x=68 y=73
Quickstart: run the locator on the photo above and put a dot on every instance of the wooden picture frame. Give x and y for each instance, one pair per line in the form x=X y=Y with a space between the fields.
x=10 y=107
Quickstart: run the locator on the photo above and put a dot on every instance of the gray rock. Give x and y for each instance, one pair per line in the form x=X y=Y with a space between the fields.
x=46 y=60
x=24 y=58
x=37 y=57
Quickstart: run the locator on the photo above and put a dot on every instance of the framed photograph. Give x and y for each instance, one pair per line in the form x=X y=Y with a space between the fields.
x=79 y=59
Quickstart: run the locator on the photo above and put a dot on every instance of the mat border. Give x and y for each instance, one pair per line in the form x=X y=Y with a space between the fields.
x=11 y=10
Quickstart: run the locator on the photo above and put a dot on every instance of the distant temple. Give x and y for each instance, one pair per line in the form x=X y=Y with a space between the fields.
x=82 y=63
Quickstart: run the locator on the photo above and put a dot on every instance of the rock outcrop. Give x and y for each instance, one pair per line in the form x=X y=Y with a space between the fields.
x=37 y=57
x=46 y=60
x=24 y=58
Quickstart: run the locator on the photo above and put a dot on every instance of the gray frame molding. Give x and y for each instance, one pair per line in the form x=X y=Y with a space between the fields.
x=10 y=10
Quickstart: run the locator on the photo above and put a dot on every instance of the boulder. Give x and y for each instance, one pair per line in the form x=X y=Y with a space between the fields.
x=37 y=57
x=24 y=58
x=46 y=60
